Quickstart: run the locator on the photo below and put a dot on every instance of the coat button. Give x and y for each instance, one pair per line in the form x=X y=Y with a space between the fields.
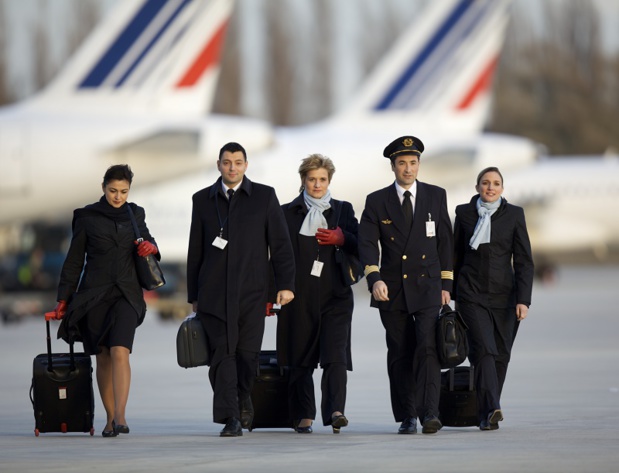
x=405 y=276
x=404 y=257
x=423 y=256
x=392 y=239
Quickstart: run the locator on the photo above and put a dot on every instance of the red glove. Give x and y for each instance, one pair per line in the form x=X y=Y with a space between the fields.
x=60 y=310
x=147 y=248
x=330 y=237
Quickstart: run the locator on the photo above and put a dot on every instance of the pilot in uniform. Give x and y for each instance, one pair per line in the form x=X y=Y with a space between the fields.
x=409 y=281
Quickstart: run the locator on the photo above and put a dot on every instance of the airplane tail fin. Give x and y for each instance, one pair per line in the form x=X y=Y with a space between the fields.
x=147 y=56
x=441 y=67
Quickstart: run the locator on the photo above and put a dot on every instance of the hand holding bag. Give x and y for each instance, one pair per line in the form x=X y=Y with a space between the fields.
x=350 y=266
x=147 y=267
x=452 y=344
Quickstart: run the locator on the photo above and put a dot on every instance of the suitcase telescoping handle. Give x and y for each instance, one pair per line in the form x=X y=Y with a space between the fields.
x=48 y=317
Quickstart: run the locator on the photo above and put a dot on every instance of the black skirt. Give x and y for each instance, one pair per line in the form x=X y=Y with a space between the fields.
x=112 y=322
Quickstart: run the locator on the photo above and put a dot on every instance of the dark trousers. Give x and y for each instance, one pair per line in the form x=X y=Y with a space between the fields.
x=491 y=333
x=231 y=375
x=412 y=362
x=333 y=388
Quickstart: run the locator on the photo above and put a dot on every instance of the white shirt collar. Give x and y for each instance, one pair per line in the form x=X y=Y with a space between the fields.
x=400 y=190
x=225 y=187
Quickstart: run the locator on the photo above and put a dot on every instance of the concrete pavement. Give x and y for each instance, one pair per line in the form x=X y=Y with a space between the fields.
x=561 y=404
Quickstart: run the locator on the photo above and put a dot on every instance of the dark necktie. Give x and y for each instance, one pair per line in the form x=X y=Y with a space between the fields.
x=407 y=208
x=230 y=193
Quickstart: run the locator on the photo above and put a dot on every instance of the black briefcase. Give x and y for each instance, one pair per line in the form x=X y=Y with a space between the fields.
x=191 y=344
x=269 y=395
x=458 y=401
x=61 y=391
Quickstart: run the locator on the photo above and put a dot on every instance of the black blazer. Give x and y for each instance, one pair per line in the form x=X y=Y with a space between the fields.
x=107 y=248
x=233 y=282
x=499 y=273
x=415 y=267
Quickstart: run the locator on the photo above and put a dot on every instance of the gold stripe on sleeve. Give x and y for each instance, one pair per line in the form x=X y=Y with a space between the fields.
x=371 y=269
x=447 y=275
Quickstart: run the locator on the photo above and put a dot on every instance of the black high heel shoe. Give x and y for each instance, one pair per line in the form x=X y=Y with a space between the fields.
x=337 y=422
x=303 y=430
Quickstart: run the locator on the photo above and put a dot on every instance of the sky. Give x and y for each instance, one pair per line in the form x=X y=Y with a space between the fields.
x=23 y=15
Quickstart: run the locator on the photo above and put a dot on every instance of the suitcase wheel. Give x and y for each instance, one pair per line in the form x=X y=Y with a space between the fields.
x=92 y=431
x=36 y=432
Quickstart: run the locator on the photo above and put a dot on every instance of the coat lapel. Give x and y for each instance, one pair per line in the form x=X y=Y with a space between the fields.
x=395 y=212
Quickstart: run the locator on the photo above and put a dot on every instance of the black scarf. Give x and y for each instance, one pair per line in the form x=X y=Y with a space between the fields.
x=103 y=207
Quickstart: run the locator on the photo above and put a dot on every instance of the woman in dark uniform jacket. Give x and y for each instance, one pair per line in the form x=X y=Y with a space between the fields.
x=315 y=326
x=493 y=282
x=106 y=308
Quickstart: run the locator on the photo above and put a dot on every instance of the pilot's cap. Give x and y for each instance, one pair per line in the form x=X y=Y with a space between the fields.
x=403 y=145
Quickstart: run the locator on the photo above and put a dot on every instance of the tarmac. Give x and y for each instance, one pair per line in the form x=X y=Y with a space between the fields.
x=560 y=401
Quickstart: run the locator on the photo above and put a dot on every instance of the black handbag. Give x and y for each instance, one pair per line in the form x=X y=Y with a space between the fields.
x=147 y=267
x=350 y=266
x=452 y=344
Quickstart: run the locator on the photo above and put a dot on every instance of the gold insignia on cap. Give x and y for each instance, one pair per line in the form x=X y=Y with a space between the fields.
x=407 y=142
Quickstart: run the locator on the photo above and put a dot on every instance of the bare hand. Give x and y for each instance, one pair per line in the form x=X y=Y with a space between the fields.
x=445 y=297
x=380 y=291
x=194 y=306
x=521 y=311
x=284 y=297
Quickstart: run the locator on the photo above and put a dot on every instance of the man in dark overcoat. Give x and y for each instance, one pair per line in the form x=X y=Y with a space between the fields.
x=236 y=225
x=409 y=281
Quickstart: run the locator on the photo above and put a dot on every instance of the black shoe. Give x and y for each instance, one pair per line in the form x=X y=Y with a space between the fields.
x=337 y=422
x=232 y=428
x=109 y=433
x=492 y=422
x=303 y=430
x=246 y=409
x=120 y=428
x=408 y=426
x=431 y=425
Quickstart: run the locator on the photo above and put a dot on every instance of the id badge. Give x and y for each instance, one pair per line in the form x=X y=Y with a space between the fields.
x=220 y=243
x=430 y=229
x=317 y=268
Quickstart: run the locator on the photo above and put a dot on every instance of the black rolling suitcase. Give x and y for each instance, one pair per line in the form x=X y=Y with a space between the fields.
x=270 y=394
x=458 y=401
x=61 y=391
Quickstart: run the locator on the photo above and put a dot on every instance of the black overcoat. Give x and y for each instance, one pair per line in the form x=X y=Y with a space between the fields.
x=232 y=284
x=499 y=273
x=415 y=267
x=299 y=323
x=107 y=247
